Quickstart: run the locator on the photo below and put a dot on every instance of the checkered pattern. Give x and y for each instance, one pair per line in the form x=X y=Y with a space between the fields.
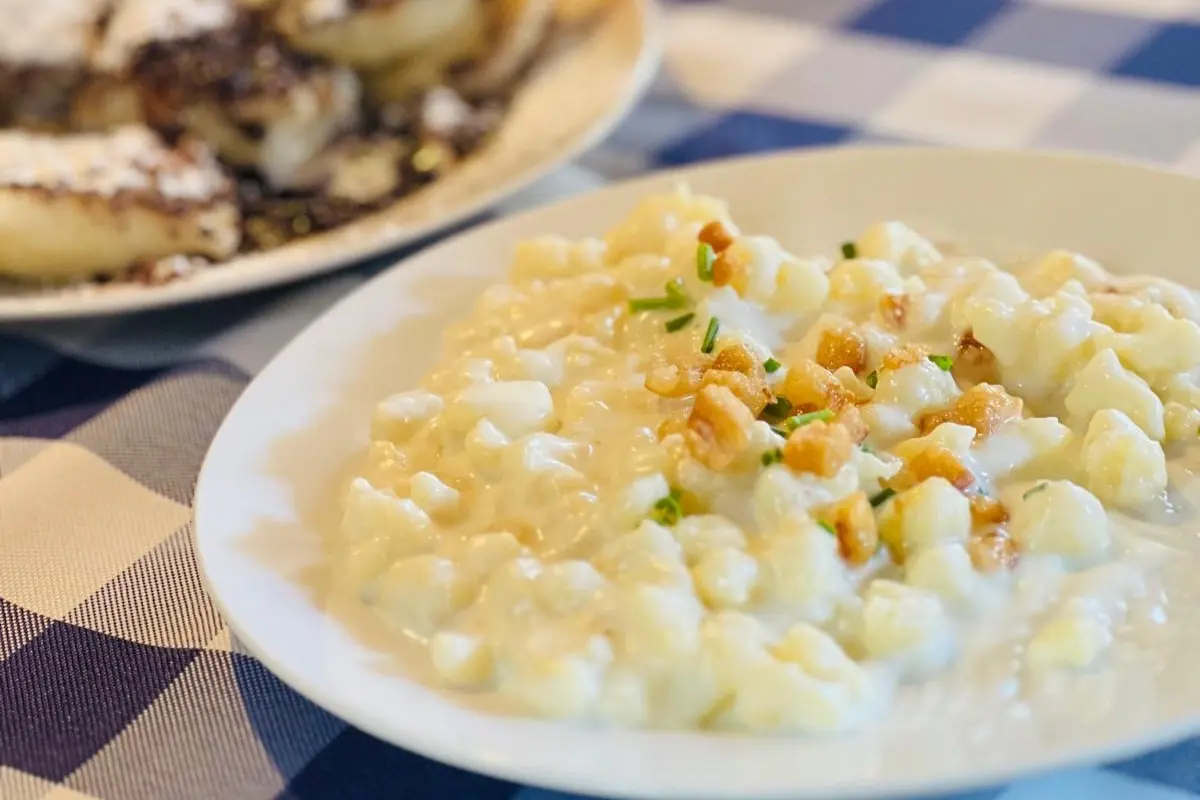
x=117 y=677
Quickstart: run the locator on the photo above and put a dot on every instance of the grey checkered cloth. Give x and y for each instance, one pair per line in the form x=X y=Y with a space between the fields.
x=117 y=677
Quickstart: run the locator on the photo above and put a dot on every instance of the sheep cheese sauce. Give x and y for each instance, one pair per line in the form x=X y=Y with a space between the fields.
x=681 y=478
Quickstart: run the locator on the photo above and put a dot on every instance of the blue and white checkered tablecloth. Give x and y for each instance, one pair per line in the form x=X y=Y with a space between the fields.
x=117 y=677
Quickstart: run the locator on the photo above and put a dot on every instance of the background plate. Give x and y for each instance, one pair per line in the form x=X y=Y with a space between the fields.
x=267 y=491
x=573 y=102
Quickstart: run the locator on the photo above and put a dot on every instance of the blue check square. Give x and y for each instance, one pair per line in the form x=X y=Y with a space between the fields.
x=940 y=22
x=1170 y=56
x=745 y=132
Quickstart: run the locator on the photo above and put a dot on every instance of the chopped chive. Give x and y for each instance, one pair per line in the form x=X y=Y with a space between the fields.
x=800 y=420
x=771 y=366
x=873 y=379
x=705 y=256
x=849 y=250
x=710 y=335
x=828 y=528
x=772 y=457
x=652 y=303
x=668 y=510
x=679 y=323
x=866 y=448
x=944 y=362
x=675 y=298
x=779 y=409
x=882 y=498
x=1035 y=490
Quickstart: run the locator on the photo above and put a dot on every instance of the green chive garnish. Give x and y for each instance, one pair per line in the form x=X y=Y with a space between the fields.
x=679 y=323
x=828 y=528
x=779 y=409
x=800 y=420
x=772 y=457
x=873 y=379
x=944 y=362
x=849 y=250
x=669 y=509
x=710 y=335
x=675 y=298
x=882 y=497
x=1035 y=490
x=652 y=303
x=771 y=366
x=705 y=256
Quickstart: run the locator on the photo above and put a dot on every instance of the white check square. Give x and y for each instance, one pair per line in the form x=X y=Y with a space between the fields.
x=977 y=101
x=718 y=57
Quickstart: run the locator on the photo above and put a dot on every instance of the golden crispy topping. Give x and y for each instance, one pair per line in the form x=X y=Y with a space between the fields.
x=987 y=511
x=719 y=427
x=842 y=347
x=853 y=521
x=983 y=407
x=986 y=408
x=752 y=390
x=727 y=269
x=673 y=380
x=904 y=355
x=738 y=358
x=716 y=236
x=819 y=447
x=811 y=387
x=933 y=461
x=893 y=307
x=993 y=550
x=973 y=362
x=735 y=367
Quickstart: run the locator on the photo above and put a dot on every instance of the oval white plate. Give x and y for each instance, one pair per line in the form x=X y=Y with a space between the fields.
x=553 y=120
x=265 y=491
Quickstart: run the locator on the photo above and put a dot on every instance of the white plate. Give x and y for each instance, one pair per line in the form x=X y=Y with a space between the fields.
x=573 y=101
x=265 y=492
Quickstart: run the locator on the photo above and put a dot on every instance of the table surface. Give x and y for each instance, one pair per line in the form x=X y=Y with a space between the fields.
x=117 y=677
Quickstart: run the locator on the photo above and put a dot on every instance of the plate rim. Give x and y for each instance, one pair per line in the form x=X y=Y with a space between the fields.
x=37 y=307
x=547 y=775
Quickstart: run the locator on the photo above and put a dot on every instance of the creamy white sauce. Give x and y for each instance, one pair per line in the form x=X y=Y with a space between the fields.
x=504 y=515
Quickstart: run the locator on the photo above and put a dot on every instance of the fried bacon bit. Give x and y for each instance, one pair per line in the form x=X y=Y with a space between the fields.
x=738 y=358
x=933 y=461
x=727 y=269
x=672 y=380
x=719 y=427
x=983 y=407
x=993 y=550
x=842 y=347
x=973 y=362
x=893 y=307
x=904 y=355
x=811 y=387
x=986 y=407
x=987 y=511
x=819 y=447
x=752 y=390
x=716 y=236
x=853 y=522
x=852 y=420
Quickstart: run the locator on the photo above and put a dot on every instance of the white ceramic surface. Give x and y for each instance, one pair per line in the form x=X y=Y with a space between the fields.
x=265 y=493
x=552 y=121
